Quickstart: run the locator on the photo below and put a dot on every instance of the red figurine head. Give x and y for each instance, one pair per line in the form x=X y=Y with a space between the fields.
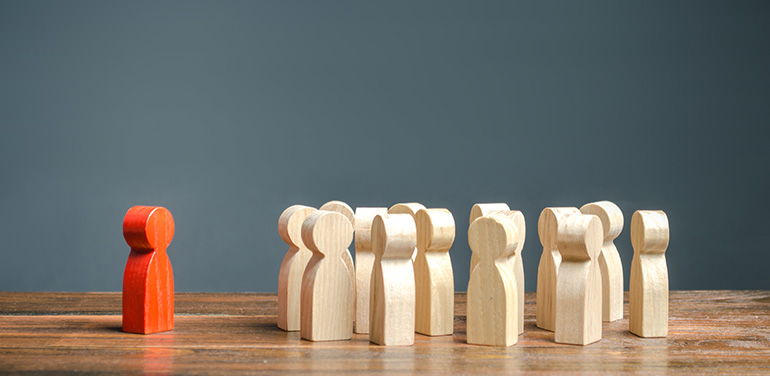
x=146 y=228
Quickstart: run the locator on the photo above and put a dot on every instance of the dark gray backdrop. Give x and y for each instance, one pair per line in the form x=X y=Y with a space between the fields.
x=228 y=112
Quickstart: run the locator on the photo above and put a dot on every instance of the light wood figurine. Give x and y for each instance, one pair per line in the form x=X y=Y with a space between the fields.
x=517 y=263
x=579 y=284
x=347 y=211
x=609 y=260
x=648 y=293
x=364 y=263
x=410 y=208
x=328 y=290
x=492 y=299
x=547 y=270
x=392 y=309
x=148 y=280
x=434 y=281
x=292 y=267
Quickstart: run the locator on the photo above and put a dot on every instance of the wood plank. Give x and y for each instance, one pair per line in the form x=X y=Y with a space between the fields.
x=109 y=303
x=709 y=332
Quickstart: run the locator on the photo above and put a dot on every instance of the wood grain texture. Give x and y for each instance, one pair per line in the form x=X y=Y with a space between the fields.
x=433 y=276
x=328 y=289
x=610 y=264
x=492 y=296
x=293 y=266
x=364 y=263
x=579 y=283
x=710 y=332
x=148 y=280
x=391 y=307
x=648 y=295
x=547 y=227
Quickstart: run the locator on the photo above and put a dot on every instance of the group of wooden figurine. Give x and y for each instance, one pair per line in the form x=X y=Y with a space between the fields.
x=403 y=283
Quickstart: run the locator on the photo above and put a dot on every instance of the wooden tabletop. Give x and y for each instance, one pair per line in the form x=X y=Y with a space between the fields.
x=709 y=332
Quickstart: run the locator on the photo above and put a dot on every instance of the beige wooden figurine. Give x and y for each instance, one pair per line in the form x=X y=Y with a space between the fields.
x=391 y=315
x=410 y=208
x=480 y=210
x=434 y=281
x=579 y=284
x=328 y=290
x=648 y=293
x=364 y=262
x=547 y=227
x=609 y=259
x=347 y=211
x=517 y=263
x=292 y=267
x=492 y=299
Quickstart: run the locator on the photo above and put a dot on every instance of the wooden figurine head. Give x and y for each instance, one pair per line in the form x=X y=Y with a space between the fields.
x=148 y=228
x=410 y=208
x=580 y=237
x=649 y=231
x=435 y=230
x=290 y=224
x=480 y=210
x=327 y=233
x=363 y=226
x=342 y=208
x=609 y=214
x=493 y=236
x=393 y=236
x=548 y=223
x=521 y=225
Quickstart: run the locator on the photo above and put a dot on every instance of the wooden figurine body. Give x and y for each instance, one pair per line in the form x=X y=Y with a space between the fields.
x=480 y=210
x=492 y=298
x=434 y=280
x=364 y=263
x=148 y=281
x=328 y=290
x=579 y=285
x=648 y=292
x=410 y=208
x=347 y=211
x=292 y=267
x=609 y=260
x=547 y=227
x=392 y=294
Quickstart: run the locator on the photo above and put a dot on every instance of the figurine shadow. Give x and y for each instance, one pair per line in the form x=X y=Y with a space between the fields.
x=113 y=328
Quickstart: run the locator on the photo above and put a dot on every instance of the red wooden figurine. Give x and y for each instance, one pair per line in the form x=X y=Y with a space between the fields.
x=148 y=282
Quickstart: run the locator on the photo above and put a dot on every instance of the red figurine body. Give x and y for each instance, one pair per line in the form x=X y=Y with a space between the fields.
x=148 y=282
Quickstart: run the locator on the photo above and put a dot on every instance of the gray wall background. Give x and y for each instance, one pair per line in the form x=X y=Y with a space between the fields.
x=228 y=112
